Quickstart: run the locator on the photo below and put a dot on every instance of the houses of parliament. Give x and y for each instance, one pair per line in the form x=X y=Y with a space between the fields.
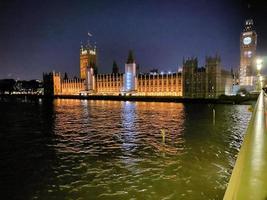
x=209 y=81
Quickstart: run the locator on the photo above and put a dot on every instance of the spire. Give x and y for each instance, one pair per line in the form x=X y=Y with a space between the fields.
x=95 y=46
x=89 y=35
x=81 y=48
x=115 y=68
x=130 y=59
x=249 y=25
x=66 y=76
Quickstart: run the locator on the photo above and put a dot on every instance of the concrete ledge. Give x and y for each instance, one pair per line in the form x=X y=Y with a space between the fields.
x=249 y=176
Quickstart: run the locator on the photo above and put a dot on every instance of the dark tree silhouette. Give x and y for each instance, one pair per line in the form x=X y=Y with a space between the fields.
x=7 y=85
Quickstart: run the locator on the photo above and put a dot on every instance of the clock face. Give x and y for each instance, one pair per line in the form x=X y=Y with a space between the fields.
x=247 y=40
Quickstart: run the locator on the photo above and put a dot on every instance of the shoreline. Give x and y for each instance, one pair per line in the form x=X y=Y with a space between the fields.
x=174 y=99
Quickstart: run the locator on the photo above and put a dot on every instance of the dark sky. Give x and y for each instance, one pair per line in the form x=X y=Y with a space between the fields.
x=44 y=35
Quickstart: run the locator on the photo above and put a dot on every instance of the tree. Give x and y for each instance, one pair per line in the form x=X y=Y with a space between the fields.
x=33 y=85
x=7 y=85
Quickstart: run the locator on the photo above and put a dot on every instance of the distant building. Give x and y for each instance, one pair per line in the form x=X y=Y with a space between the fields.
x=210 y=81
x=248 y=45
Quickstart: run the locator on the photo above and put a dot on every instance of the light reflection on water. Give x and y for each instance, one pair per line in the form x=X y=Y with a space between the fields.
x=114 y=150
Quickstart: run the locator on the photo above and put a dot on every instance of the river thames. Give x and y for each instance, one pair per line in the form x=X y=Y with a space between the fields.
x=81 y=149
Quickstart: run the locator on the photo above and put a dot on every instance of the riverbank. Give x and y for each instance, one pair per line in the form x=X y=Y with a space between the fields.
x=220 y=100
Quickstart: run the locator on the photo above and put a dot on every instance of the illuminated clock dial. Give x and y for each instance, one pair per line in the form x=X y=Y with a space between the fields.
x=247 y=40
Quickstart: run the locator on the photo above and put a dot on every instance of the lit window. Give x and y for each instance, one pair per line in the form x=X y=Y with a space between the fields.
x=248 y=54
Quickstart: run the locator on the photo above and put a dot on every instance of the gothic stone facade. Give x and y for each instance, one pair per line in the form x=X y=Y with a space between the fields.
x=206 y=82
x=210 y=81
x=112 y=84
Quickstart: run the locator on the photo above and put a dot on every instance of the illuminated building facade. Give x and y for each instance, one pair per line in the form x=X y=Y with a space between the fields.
x=248 y=44
x=129 y=78
x=54 y=84
x=87 y=59
x=129 y=83
x=109 y=83
x=193 y=82
x=157 y=84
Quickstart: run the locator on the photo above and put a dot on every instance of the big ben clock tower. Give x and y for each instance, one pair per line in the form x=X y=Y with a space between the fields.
x=248 y=44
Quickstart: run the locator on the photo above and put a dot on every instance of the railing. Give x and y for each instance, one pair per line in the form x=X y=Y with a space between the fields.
x=249 y=176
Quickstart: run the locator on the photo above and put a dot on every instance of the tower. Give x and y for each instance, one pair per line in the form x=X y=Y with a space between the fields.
x=248 y=44
x=190 y=67
x=52 y=84
x=214 y=76
x=130 y=74
x=87 y=60
x=90 y=79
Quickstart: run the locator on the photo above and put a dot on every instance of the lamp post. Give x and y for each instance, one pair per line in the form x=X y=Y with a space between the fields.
x=259 y=66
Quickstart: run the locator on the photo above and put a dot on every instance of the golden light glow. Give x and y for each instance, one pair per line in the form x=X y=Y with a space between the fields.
x=259 y=64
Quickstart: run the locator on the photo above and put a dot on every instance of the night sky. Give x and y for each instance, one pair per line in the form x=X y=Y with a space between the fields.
x=41 y=36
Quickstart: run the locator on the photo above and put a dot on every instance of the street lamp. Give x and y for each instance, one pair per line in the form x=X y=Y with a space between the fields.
x=259 y=64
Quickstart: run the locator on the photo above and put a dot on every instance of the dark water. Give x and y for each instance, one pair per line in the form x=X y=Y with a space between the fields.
x=73 y=149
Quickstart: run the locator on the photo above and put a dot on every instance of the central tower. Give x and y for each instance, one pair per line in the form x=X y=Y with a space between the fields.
x=248 y=44
x=130 y=75
x=87 y=60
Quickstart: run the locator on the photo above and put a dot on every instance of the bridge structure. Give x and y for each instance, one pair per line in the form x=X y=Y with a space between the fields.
x=249 y=176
